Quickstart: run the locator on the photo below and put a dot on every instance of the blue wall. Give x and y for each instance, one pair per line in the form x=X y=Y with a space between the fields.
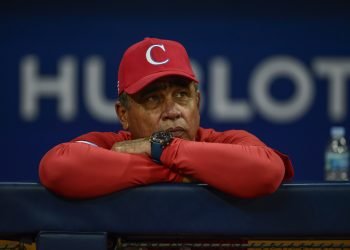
x=278 y=70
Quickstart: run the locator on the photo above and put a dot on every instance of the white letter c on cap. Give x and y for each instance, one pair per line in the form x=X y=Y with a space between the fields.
x=149 y=57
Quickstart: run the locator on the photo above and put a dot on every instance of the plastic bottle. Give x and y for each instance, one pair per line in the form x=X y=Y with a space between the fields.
x=337 y=156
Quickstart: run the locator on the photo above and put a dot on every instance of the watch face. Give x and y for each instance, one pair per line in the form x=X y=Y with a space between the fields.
x=162 y=137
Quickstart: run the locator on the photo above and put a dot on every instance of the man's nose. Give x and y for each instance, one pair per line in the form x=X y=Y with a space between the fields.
x=170 y=110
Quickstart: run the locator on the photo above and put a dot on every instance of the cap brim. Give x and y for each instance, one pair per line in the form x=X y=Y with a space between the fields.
x=140 y=84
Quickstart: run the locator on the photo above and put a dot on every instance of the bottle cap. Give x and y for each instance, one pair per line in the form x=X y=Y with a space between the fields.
x=337 y=131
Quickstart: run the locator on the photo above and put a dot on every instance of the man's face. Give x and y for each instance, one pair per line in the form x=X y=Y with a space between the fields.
x=168 y=104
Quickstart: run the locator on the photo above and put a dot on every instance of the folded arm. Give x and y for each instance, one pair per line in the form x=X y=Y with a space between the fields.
x=234 y=162
x=79 y=170
x=240 y=170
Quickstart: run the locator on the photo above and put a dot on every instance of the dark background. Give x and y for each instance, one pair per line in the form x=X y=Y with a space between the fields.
x=245 y=34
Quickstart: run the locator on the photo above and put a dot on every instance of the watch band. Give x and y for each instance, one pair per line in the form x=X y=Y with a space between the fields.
x=159 y=140
x=156 y=151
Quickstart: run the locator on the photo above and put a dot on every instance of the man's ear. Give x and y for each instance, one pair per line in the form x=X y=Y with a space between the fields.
x=198 y=99
x=122 y=114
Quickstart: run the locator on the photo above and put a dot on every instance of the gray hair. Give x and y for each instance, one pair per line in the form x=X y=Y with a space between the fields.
x=124 y=100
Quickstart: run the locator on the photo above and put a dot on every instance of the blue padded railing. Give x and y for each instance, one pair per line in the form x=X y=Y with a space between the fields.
x=295 y=210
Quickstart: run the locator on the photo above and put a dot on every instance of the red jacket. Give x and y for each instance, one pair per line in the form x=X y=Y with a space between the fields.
x=234 y=161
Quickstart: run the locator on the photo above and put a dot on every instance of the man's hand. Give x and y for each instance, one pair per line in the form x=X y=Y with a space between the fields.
x=187 y=179
x=138 y=146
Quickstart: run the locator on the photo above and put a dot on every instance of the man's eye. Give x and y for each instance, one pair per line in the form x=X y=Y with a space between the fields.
x=181 y=94
x=152 y=99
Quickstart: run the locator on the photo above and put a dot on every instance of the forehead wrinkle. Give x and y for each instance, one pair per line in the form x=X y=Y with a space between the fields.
x=158 y=86
x=161 y=85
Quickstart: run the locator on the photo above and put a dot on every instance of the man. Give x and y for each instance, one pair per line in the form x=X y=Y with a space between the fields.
x=162 y=140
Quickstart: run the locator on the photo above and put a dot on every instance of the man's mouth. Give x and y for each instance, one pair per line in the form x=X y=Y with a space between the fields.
x=176 y=132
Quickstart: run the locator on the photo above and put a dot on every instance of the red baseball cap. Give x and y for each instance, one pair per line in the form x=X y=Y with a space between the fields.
x=150 y=59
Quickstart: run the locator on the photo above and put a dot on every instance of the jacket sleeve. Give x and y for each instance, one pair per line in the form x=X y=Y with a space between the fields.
x=239 y=169
x=79 y=170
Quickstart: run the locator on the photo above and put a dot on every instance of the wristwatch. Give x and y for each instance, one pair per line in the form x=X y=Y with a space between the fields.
x=159 y=140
